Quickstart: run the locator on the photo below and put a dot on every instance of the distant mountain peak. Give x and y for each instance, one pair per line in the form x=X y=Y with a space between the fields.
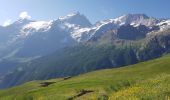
x=136 y=20
x=38 y=26
x=137 y=16
x=132 y=17
x=77 y=19
x=70 y=15
x=22 y=21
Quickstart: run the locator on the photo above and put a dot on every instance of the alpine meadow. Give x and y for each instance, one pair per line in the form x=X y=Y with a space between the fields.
x=85 y=50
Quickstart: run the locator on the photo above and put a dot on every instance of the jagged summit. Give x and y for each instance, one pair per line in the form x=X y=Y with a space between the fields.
x=76 y=18
x=70 y=15
x=144 y=16
x=21 y=22
x=136 y=20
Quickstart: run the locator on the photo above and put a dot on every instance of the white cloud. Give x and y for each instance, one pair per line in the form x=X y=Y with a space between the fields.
x=7 y=22
x=24 y=15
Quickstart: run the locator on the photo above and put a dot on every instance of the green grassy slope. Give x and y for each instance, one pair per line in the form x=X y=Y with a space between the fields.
x=146 y=81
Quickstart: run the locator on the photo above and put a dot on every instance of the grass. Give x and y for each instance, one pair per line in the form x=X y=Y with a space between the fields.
x=144 y=81
x=152 y=89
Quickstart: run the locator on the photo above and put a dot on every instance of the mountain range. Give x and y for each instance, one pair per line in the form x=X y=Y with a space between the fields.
x=71 y=29
x=72 y=45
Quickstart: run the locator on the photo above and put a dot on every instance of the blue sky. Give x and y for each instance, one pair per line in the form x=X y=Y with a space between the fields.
x=94 y=9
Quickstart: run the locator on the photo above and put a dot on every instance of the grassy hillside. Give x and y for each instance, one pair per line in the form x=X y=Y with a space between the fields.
x=106 y=53
x=147 y=81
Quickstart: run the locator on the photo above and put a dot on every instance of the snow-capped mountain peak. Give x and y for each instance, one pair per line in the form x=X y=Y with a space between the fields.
x=22 y=22
x=104 y=26
x=69 y=16
x=37 y=26
x=132 y=19
x=77 y=19
x=135 y=20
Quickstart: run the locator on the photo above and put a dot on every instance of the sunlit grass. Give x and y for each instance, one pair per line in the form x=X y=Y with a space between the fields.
x=152 y=89
x=148 y=81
